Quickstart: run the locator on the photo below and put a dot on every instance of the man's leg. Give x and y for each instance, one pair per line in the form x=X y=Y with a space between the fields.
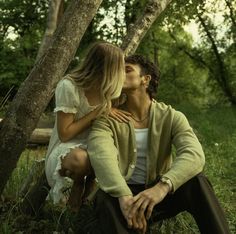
x=198 y=198
x=111 y=220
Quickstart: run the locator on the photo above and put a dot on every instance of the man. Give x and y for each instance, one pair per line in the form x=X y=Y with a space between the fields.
x=139 y=179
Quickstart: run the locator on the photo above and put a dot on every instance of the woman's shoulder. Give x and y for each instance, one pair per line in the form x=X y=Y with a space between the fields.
x=66 y=82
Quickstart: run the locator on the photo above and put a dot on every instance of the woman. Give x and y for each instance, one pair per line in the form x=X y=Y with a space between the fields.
x=80 y=97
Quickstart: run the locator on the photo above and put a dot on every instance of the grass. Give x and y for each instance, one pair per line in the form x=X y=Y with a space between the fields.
x=216 y=130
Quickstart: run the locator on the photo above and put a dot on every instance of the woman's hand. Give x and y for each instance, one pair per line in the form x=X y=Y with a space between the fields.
x=120 y=115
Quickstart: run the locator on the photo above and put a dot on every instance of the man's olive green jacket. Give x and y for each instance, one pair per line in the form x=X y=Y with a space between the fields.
x=113 y=152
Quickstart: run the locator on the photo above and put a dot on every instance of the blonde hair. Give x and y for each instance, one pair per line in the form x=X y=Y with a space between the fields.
x=104 y=63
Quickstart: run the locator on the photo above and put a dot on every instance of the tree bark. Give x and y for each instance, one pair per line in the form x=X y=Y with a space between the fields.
x=52 y=22
x=137 y=30
x=35 y=92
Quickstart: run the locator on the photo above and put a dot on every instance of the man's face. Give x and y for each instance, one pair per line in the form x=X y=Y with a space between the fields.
x=133 y=78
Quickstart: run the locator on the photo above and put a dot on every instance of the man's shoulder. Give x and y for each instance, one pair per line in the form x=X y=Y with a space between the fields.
x=165 y=111
x=163 y=108
x=107 y=120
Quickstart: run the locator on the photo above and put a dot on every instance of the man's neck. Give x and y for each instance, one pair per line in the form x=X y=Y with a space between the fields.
x=138 y=104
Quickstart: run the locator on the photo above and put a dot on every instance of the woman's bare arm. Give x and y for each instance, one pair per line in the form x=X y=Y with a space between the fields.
x=68 y=127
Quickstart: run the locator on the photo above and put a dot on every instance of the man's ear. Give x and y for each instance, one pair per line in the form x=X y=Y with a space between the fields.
x=146 y=80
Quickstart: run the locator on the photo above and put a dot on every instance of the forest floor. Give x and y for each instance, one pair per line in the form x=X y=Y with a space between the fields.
x=216 y=130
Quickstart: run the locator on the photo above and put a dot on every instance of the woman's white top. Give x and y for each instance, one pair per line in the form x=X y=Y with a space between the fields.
x=140 y=170
x=69 y=99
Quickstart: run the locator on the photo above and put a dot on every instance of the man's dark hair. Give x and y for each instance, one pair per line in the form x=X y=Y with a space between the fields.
x=147 y=68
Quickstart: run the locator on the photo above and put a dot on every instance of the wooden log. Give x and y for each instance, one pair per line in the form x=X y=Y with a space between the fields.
x=40 y=135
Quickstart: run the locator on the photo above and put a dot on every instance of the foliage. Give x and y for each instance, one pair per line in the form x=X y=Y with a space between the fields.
x=22 y=26
x=200 y=71
x=181 y=79
x=185 y=63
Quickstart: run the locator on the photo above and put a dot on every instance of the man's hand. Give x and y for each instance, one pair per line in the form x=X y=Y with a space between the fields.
x=126 y=203
x=147 y=199
x=120 y=115
x=137 y=222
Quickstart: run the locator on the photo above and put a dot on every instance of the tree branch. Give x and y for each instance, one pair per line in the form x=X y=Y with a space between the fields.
x=137 y=30
x=231 y=13
x=195 y=58
x=222 y=77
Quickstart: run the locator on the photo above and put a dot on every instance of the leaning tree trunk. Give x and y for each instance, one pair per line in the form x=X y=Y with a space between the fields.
x=54 y=14
x=35 y=92
x=137 y=30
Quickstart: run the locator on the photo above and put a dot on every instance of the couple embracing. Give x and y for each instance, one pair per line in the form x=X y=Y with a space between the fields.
x=127 y=148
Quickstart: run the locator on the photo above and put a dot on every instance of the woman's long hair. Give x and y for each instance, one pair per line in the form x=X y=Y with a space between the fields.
x=104 y=63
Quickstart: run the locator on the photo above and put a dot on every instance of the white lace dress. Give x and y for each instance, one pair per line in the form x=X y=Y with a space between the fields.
x=69 y=99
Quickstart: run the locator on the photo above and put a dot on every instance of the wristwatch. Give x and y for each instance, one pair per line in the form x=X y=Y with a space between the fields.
x=167 y=181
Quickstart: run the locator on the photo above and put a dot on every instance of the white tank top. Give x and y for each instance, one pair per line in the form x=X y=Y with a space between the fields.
x=139 y=174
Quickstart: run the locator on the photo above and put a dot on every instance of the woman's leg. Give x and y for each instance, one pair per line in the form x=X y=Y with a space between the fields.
x=76 y=165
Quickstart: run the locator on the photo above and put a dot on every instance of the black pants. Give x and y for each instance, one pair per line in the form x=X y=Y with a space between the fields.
x=195 y=196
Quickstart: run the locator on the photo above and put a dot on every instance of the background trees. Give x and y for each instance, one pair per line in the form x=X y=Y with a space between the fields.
x=197 y=69
x=21 y=27
x=211 y=52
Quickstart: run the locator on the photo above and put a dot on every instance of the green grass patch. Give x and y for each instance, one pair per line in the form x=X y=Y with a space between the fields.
x=24 y=166
x=216 y=130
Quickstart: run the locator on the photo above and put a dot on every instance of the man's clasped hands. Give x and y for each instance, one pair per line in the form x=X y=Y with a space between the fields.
x=138 y=209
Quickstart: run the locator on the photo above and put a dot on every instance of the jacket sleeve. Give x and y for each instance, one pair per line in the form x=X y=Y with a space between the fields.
x=190 y=159
x=103 y=156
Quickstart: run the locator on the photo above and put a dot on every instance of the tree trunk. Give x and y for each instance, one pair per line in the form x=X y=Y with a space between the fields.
x=155 y=51
x=52 y=22
x=137 y=30
x=221 y=74
x=35 y=92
